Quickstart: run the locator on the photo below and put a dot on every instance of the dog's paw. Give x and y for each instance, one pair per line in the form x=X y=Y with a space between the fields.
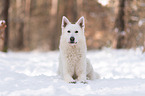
x=73 y=82
x=84 y=82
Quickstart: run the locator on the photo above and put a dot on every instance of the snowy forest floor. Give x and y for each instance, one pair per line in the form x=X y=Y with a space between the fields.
x=35 y=74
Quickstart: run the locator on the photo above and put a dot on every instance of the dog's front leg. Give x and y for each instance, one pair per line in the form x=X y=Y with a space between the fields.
x=67 y=74
x=81 y=71
x=69 y=79
x=82 y=78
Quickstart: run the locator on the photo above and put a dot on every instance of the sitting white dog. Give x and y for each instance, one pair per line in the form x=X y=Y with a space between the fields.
x=73 y=64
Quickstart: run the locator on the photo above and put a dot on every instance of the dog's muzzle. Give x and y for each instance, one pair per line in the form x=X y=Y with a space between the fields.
x=72 y=40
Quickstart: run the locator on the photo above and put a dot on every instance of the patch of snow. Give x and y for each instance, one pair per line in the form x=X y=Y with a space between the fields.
x=103 y=2
x=2 y=21
x=116 y=30
x=35 y=74
x=134 y=18
x=142 y=4
x=140 y=23
x=123 y=33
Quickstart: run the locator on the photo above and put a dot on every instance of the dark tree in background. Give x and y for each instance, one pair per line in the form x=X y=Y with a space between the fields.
x=20 y=23
x=27 y=34
x=71 y=12
x=53 y=23
x=5 y=16
x=119 y=26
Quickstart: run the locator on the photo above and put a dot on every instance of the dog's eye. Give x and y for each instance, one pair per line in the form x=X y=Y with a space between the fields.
x=76 y=31
x=68 y=31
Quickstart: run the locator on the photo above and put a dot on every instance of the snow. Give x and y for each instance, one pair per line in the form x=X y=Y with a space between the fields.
x=141 y=22
x=2 y=21
x=103 y=2
x=34 y=74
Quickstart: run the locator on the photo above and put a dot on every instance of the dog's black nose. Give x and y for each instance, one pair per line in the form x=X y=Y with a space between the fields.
x=72 y=39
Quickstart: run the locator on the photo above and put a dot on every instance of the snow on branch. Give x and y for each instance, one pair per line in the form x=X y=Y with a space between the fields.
x=2 y=28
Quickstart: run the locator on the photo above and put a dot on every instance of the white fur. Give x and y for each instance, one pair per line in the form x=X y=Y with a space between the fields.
x=73 y=64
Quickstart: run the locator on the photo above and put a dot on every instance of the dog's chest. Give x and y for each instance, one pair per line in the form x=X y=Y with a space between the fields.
x=74 y=56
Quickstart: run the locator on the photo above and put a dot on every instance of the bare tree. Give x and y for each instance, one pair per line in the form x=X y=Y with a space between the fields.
x=119 y=41
x=53 y=23
x=27 y=33
x=5 y=16
x=20 y=24
x=71 y=12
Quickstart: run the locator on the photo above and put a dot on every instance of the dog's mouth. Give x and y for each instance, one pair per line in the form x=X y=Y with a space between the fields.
x=73 y=43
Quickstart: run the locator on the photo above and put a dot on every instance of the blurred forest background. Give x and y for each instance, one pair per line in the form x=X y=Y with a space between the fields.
x=36 y=24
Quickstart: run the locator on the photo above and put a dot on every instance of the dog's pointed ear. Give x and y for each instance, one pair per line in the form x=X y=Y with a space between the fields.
x=65 y=22
x=81 y=22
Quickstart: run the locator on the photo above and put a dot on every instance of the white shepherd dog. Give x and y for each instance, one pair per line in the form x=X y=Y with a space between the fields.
x=73 y=64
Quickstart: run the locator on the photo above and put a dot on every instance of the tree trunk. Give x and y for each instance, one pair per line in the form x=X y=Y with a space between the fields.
x=70 y=10
x=27 y=33
x=119 y=41
x=5 y=15
x=53 y=23
x=80 y=8
x=20 y=24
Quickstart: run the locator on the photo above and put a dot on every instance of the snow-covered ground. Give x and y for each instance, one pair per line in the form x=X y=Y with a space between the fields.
x=34 y=74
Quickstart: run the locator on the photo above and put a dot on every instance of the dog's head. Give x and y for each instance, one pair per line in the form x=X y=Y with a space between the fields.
x=73 y=32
